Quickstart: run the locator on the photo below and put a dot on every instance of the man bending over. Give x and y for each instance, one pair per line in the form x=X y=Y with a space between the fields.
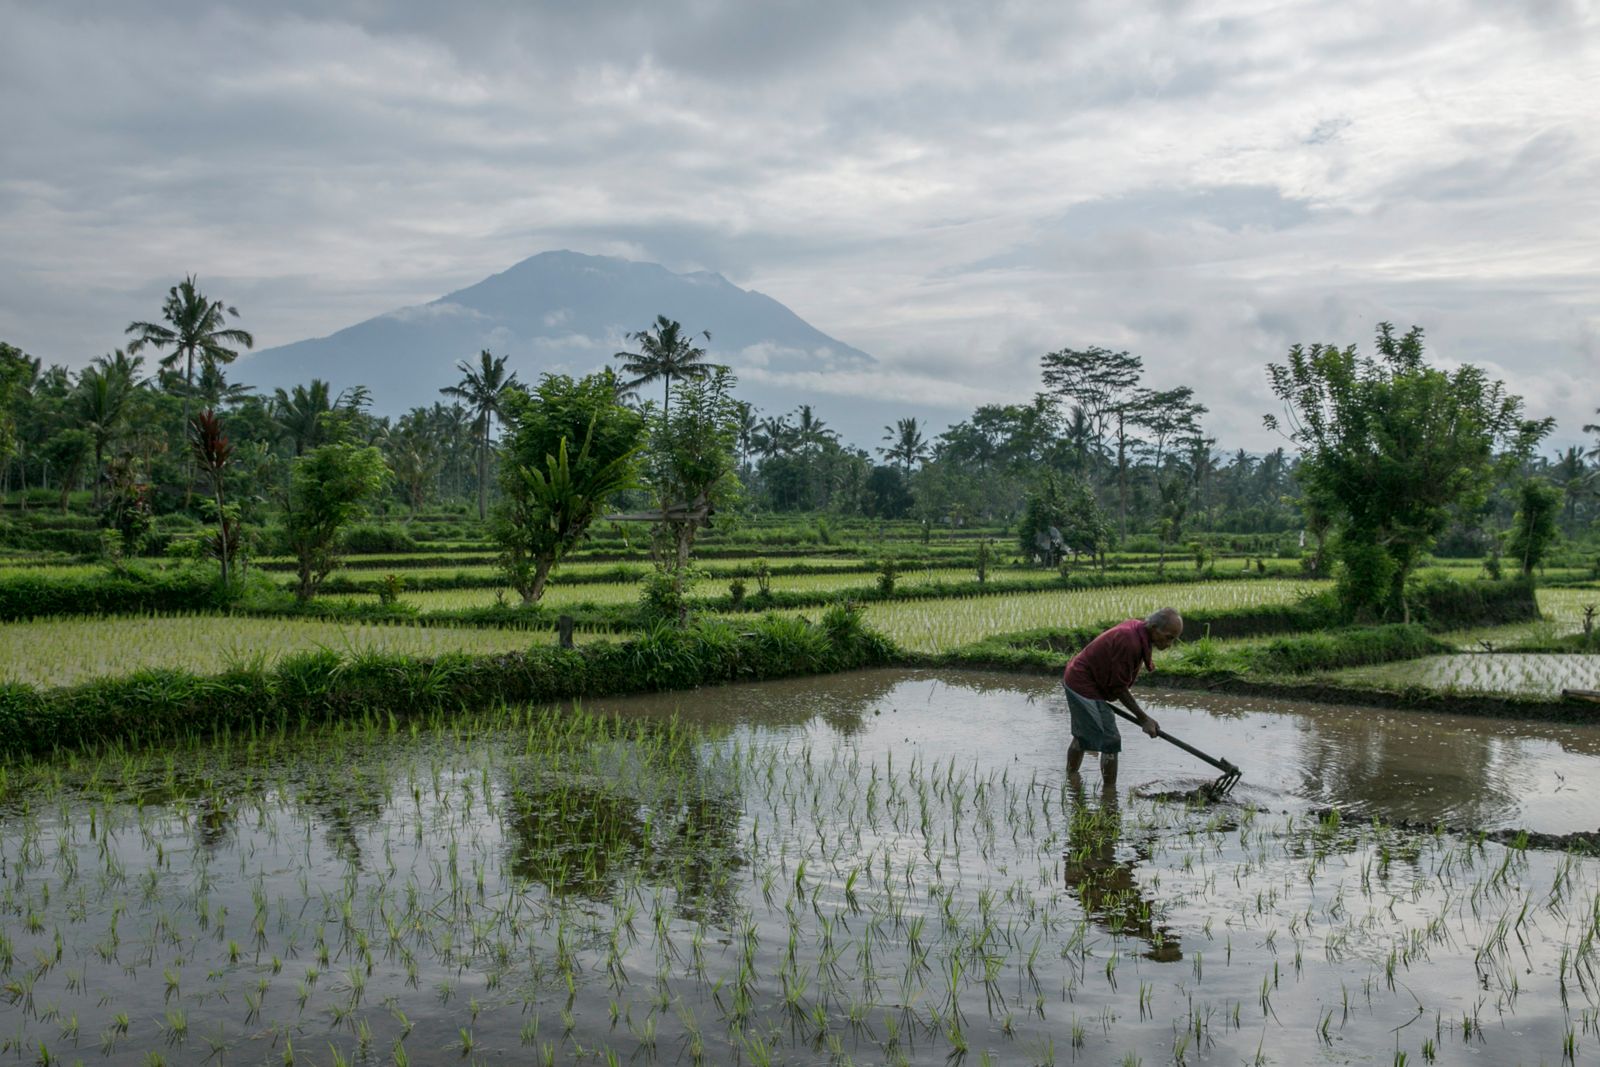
x=1104 y=671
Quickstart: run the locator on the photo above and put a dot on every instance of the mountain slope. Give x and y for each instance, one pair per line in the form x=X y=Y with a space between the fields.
x=559 y=312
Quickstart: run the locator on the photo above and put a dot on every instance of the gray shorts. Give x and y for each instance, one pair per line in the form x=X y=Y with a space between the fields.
x=1094 y=723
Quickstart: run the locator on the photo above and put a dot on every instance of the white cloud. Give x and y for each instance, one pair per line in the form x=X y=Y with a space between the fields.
x=439 y=309
x=953 y=188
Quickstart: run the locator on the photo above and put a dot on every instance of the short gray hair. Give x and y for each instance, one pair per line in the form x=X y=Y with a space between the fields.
x=1166 y=620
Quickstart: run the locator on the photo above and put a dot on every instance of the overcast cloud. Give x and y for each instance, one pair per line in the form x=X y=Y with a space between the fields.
x=954 y=188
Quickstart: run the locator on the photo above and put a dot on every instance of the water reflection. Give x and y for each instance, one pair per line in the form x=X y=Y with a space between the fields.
x=591 y=817
x=1464 y=771
x=1105 y=885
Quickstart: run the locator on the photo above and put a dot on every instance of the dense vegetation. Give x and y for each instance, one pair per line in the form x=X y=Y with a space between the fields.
x=599 y=505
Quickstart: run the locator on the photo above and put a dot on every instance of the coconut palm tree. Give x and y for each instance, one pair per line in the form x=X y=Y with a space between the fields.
x=809 y=431
x=195 y=329
x=99 y=404
x=214 y=389
x=665 y=352
x=906 y=444
x=745 y=427
x=300 y=414
x=483 y=389
x=773 y=437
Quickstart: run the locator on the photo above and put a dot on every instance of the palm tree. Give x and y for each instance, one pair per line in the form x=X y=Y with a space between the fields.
x=773 y=437
x=25 y=380
x=745 y=427
x=215 y=390
x=99 y=403
x=810 y=431
x=483 y=390
x=195 y=329
x=1576 y=478
x=300 y=414
x=906 y=445
x=665 y=353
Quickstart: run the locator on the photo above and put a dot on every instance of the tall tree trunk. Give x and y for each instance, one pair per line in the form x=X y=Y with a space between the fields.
x=222 y=532
x=188 y=465
x=483 y=475
x=98 y=449
x=541 y=574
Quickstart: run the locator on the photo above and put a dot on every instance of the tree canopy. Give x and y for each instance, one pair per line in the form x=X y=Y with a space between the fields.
x=1393 y=447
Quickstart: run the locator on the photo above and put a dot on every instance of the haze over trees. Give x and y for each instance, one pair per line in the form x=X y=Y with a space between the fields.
x=1389 y=457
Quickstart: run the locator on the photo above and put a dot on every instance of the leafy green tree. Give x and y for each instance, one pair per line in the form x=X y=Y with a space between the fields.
x=1533 y=528
x=17 y=373
x=67 y=452
x=1066 y=505
x=690 y=465
x=329 y=488
x=484 y=389
x=570 y=447
x=665 y=353
x=1393 y=447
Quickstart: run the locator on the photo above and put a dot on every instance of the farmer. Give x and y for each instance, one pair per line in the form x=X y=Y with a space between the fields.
x=1102 y=672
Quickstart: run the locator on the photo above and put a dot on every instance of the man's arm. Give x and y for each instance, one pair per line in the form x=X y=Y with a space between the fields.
x=1149 y=725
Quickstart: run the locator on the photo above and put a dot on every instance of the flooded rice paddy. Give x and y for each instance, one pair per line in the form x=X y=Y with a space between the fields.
x=883 y=867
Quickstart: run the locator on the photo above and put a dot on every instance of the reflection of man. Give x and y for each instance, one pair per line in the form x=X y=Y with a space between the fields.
x=1104 y=885
x=1101 y=673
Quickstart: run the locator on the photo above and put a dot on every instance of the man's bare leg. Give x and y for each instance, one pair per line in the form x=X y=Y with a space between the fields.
x=1074 y=756
x=1108 y=769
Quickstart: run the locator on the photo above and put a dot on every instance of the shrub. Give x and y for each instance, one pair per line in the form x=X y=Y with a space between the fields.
x=1352 y=647
x=370 y=538
x=661 y=599
x=1449 y=604
x=129 y=590
x=888 y=571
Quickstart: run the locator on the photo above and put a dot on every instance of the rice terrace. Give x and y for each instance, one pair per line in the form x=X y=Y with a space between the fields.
x=445 y=619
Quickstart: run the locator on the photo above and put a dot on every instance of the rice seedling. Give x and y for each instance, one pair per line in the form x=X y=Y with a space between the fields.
x=884 y=888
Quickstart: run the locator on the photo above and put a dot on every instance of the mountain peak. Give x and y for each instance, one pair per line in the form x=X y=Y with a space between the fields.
x=565 y=312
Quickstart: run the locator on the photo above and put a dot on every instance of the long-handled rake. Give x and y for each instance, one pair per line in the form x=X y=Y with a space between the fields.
x=1211 y=790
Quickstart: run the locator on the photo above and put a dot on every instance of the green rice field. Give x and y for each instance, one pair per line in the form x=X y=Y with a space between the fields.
x=932 y=625
x=53 y=652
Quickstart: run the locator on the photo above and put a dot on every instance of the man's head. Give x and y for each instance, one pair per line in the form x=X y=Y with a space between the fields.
x=1165 y=626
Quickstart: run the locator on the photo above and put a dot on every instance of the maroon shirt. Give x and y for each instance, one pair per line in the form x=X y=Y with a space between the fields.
x=1110 y=663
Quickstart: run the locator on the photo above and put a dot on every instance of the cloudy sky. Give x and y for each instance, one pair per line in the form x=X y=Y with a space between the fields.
x=952 y=187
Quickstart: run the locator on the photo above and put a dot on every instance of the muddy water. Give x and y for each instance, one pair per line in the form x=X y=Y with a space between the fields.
x=879 y=868
x=1456 y=770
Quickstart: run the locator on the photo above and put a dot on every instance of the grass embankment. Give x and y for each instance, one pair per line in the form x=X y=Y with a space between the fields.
x=1303 y=651
x=153 y=705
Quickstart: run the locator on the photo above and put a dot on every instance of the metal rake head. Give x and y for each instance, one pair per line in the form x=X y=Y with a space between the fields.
x=1224 y=784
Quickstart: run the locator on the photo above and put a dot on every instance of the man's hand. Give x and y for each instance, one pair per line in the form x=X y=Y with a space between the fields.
x=1146 y=723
